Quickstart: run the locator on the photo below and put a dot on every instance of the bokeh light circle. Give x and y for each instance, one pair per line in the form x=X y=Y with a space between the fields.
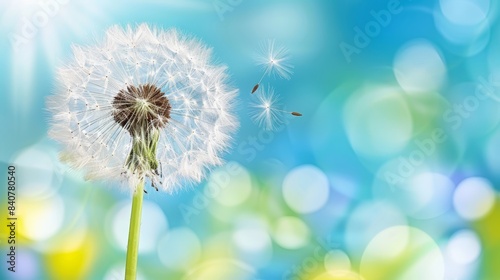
x=39 y=162
x=464 y=247
x=337 y=261
x=306 y=189
x=361 y=226
x=252 y=240
x=402 y=252
x=419 y=67
x=465 y=41
x=230 y=185
x=339 y=275
x=222 y=269
x=465 y=12
x=184 y=243
x=27 y=265
x=424 y=195
x=291 y=233
x=473 y=198
x=41 y=219
x=378 y=121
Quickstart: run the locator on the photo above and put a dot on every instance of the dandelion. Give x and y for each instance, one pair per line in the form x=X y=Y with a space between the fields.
x=274 y=60
x=266 y=109
x=145 y=104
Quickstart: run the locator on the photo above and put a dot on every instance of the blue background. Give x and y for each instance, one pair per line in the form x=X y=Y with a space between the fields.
x=359 y=186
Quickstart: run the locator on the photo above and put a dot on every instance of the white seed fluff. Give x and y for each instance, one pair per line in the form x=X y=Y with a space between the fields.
x=266 y=109
x=274 y=59
x=202 y=118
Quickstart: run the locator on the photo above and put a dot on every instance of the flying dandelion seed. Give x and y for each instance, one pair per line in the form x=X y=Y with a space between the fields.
x=144 y=103
x=274 y=60
x=266 y=109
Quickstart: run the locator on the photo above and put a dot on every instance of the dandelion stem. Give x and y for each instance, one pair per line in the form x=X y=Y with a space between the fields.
x=134 y=232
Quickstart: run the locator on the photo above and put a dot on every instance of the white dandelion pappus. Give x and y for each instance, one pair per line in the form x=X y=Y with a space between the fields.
x=274 y=60
x=144 y=103
x=266 y=109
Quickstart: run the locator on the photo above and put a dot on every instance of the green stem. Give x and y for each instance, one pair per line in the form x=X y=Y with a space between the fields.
x=134 y=232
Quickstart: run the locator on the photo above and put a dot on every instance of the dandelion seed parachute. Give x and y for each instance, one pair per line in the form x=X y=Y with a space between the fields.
x=144 y=102
x=275 y=60
x=265 y=109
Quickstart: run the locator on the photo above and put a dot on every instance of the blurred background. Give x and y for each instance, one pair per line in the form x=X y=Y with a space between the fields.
x=392 y=172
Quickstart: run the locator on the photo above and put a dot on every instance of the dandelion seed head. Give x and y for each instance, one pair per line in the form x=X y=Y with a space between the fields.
x=136 y=107
x=143 y=103
x=274 y=59
x=265 y=109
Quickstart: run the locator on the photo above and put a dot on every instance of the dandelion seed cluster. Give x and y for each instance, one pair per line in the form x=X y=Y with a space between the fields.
x=266 y=109
x=143 y=103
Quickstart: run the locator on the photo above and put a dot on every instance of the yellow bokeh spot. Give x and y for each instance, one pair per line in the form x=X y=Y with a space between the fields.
x=339 y=275
x=223 y=269
x=402 y=252
x=71 y=262
x=487 y=229
x=41 y=219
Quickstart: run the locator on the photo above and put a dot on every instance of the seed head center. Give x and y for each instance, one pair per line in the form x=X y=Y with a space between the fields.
x=140 y=109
